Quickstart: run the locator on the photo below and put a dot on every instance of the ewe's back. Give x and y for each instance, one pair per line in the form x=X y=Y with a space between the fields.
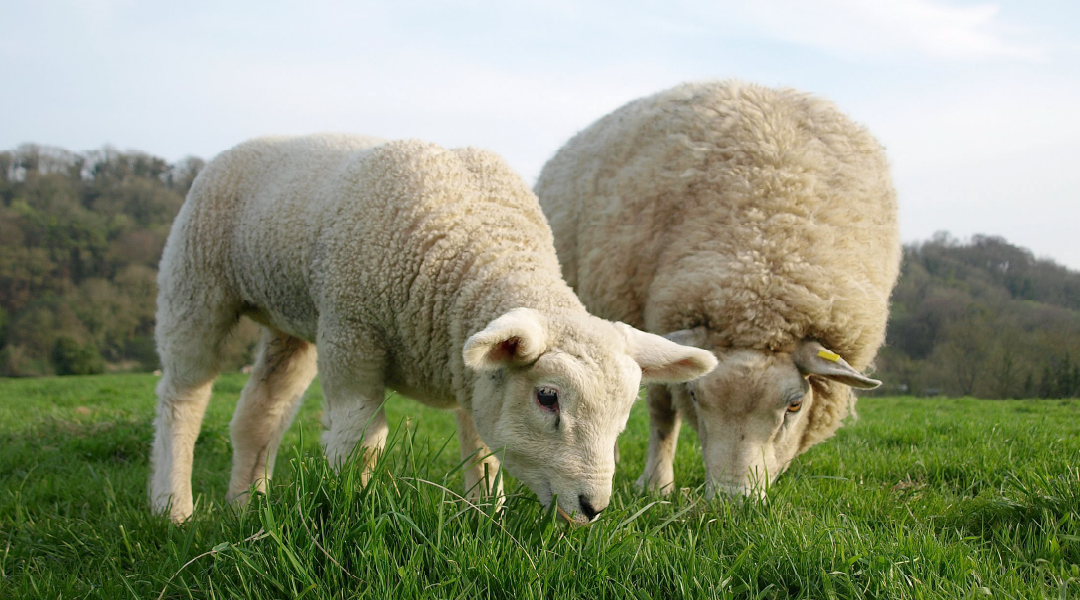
x=765 y=214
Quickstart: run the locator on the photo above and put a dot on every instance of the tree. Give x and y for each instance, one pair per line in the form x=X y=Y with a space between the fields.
x=1030 y=317
x=80 y=238
x=966 y=350
x=72 y=358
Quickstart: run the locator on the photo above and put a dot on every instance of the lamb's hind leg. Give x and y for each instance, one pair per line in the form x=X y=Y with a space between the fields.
x=284 y=367
x=189 y=343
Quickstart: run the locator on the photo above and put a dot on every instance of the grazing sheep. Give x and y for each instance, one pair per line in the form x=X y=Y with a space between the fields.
x=408 y=266
x=756 y=223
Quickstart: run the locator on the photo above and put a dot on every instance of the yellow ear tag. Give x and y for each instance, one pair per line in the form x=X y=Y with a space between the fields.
x=828 y=355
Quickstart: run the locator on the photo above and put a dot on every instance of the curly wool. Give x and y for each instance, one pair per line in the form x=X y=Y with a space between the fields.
x=764 y=214
x=428 y=245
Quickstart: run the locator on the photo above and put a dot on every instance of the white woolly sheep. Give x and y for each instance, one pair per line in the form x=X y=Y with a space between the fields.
x=408 y=266
x=756 y=223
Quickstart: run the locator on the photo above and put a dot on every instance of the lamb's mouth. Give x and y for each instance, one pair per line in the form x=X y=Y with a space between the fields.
x=564 y=514
x=559 y=509
x=548 y=497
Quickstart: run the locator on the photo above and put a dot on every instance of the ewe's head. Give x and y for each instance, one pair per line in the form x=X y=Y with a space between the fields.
x=754 y=409
x=553 y=393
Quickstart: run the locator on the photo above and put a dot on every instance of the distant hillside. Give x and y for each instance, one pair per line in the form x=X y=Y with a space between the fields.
x=983 y=318
x=80 y=239
x=81 y=235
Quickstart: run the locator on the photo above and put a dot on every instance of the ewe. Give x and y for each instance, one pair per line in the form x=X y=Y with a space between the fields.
x=757 y=223
x=408 y=266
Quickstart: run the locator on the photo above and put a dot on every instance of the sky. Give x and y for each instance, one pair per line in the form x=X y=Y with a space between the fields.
x=976 y=102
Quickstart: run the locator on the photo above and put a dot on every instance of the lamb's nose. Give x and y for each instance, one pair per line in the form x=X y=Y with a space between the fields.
x=587 y=508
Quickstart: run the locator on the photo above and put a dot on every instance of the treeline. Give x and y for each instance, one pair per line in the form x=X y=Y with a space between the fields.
x=983 y=318
x=81 y=235
x=80 y=239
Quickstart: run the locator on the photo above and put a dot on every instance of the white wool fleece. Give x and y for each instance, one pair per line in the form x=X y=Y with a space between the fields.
x=394 y=260
x=757 y=217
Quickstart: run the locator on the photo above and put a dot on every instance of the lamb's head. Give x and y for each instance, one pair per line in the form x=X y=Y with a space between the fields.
x=754 y=409
x=552 y=393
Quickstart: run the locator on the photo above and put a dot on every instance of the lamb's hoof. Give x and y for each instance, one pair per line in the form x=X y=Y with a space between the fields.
x=181 y=514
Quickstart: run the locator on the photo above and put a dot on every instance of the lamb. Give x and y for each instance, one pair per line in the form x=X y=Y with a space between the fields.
x=757 y=223
x=409 y=266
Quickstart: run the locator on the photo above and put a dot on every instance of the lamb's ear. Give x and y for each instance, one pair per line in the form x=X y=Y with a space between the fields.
x=516 y=338
x=664 y=361
x=814 y=359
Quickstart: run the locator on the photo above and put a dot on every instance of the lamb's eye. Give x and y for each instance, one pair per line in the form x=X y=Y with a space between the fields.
x=693 y=396
x=548 y=398
x=794 y=406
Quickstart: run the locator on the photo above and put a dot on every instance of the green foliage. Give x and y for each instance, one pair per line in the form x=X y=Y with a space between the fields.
x=3 y=326
x=983 y=318
x=72 y=358
x=918 y=498
x=1060 y=379
x=80 y=238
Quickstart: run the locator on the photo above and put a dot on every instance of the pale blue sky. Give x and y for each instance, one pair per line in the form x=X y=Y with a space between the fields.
x=976 y=102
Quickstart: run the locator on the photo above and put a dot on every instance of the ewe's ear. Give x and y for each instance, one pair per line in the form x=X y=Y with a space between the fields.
x=814 y=359
x=516 y=338
x=664 y=361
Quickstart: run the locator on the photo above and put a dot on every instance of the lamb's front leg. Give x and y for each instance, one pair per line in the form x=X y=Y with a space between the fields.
x=482 y=467
x=664 y=424
x=353 y=380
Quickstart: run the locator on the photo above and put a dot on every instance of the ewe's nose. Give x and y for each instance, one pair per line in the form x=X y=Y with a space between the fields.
x=588 y=509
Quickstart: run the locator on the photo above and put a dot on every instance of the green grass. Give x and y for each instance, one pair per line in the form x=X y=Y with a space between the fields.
x=918 y=498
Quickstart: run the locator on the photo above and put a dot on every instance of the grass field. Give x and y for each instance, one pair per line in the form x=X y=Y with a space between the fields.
x=918 y=498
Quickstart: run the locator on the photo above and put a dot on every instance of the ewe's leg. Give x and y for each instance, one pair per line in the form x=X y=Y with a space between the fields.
x=482 y=467
x=189 y=349
x=352 y=366
x=664 y=425
x=284 y=367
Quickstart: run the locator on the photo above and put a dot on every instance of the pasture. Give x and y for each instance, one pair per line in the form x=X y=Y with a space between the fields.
x=918 y=498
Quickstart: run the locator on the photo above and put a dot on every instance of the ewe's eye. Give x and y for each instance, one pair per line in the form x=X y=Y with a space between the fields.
x=548 y=399
x=794 y=406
